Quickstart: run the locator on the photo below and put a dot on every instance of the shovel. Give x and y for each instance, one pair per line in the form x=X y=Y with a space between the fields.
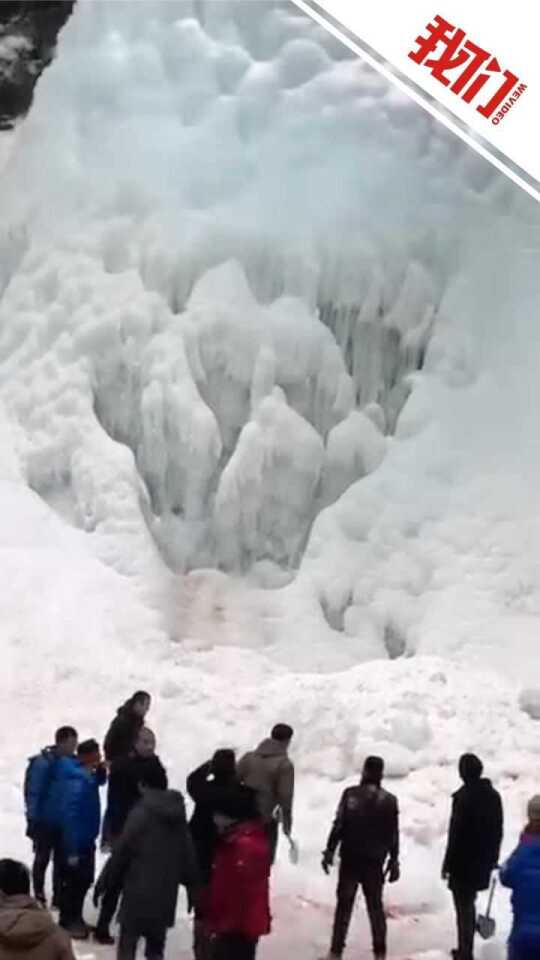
x=485 y=924
x=294 y=852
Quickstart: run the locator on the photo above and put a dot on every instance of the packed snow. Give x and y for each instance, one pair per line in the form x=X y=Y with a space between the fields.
x=268 y=423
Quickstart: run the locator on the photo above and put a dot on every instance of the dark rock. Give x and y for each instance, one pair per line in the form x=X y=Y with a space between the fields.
x=28 y=36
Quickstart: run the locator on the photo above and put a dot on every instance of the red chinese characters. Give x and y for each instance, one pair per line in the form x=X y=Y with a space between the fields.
x=446 y=49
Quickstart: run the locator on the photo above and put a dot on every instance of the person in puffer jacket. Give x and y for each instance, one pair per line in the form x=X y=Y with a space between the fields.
x=80 y=828
x=521 y=873
x=269 y=771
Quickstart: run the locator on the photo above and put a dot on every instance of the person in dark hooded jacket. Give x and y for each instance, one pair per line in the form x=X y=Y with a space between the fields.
x=124 y=793
x=153 y=856
x=474 y=842
x=27 y=931
x=205 y=786
x=122 y=733
x=269 y=771
x=366 y=830
x=521 y=873
x=118 y=744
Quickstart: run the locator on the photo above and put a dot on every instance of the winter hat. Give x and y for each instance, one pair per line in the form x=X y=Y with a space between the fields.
x=238 y=803
x=373 y=770
x=470 y=768
x=533 y=809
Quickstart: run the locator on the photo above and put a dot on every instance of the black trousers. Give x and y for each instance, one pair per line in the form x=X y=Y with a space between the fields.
x=465 y=905
x=108 y=908
x=233 y=946
x=47 y=845
x=154 y=936
x=368 y=875
x=76 y=882
x=272 y=830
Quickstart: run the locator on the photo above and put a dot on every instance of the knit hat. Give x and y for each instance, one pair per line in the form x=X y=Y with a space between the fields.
x=533 y=809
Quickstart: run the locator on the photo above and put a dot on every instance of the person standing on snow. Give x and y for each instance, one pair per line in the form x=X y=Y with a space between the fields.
x=27 y=931
x=521 y=873
x=153 y=856
x=366 y=829
x=43 y=809
x=205 y=785
x=474 y=842
x=126 y=775
x=80 y=829
x=123 y=731
x=269 y=771
x=237 y=911
x=120 y=741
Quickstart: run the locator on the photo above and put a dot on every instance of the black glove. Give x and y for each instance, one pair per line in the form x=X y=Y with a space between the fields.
x=393 y=872
x=327 y=861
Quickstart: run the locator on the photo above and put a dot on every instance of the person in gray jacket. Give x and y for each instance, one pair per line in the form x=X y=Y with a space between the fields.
x=269 y=771
x=153 y=856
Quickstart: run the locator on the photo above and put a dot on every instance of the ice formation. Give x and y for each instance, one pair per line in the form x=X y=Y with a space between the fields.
x=268 y=393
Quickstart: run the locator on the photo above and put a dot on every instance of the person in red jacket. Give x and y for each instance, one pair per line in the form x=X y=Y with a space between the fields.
x=238 y=905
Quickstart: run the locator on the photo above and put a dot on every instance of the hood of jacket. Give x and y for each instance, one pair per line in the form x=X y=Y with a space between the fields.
x=166 y=804
x=271 y=748
x=478 y=787
x=23 y=923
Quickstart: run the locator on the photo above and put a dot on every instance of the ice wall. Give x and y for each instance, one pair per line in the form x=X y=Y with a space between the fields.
x=225 y=247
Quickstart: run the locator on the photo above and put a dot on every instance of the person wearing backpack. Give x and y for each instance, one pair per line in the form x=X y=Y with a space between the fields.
x=43 y=808
x=81 y=815
x=521 y=873
x=366 y=830
x=269 y=771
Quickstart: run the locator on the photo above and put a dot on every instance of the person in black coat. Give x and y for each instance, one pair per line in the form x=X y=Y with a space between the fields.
x=123 y=731
x=474 y=842
x=153 y=856
x=120 y=740
x=127 y=773
x=206 y=786
x=366 y=830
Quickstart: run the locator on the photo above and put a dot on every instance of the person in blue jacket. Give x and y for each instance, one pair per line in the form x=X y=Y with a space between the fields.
x=81 y=816
x=521 y=873
x=43 y=808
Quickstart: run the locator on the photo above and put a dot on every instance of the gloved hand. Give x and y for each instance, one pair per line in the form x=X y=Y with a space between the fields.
x=73 y=862
x=327 y=861
x=393 y=871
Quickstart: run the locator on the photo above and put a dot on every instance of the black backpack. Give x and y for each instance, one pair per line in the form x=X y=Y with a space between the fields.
x=49 y=753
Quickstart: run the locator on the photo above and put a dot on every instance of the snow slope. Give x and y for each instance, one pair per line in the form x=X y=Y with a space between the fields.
x=226 y=251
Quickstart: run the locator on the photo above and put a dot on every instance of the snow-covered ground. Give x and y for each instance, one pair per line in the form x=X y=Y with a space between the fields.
x=224 y=249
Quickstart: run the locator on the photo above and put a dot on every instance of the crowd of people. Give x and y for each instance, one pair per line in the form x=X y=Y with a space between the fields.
x=224 y=855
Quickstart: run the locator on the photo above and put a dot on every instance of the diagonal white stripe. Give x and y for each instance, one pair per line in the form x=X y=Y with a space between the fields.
x=444 y=116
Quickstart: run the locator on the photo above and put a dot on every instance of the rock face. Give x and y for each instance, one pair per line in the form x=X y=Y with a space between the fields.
x=28 y=33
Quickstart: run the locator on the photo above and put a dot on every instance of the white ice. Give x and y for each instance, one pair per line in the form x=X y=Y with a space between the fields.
x=226 y=247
